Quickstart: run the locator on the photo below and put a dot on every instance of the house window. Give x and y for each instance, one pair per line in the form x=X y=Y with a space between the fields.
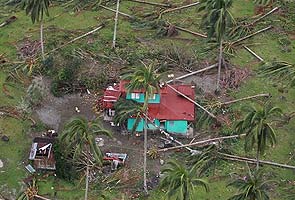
x=153 y=97
x=134 y=95
x=171 y=123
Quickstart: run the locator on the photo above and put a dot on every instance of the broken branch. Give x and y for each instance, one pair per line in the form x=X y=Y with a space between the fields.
x=178 y=8
x=251 y=35
x=193 y=73
x=75 y=39
x=209 y=141
x=253 y=53
x=265 y=15
x=191 y=32
x=121 y=13
x=251 y=160
x=152 y=3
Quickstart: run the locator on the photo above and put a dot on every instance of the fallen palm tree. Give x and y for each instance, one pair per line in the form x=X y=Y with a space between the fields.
x=152 y=3
x=254 y=161
x=265 y=15
x=191 y=32
x=193 y=73
x=203 y=142
x=178 y=8
x=251 y=35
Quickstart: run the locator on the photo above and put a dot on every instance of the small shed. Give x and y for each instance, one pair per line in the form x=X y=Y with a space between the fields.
x=42 y=153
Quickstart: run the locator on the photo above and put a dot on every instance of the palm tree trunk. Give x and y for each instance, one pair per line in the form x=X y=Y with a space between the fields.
x=257 y=160
x=41 y=40
x=87 y=183
x=116 y=24
x=219 y=67
x=144 y=156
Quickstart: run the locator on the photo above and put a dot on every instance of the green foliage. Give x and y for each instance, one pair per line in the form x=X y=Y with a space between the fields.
x=258 y=127
x=79 y=134
x=36 y=9
x=217 y=17
x=180 y=182
x=64 y=167
x=279 y=71
x=253 y=186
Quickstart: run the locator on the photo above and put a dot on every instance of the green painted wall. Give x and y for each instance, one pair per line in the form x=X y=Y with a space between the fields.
x=130 y=124
x=139 y=128
x=141 y=98
x=178 y=126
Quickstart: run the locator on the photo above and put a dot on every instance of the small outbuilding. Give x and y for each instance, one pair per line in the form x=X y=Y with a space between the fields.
x=42 y=153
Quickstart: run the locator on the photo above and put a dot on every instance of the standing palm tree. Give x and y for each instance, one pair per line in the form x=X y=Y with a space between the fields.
x=143 y=78
x=251 y=187
x=37 y=9
x=257 y=125
x=79 y=133
x=181 y=182
x=217 y=18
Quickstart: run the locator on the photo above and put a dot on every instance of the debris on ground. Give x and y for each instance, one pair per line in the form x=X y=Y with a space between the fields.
x=8 y=21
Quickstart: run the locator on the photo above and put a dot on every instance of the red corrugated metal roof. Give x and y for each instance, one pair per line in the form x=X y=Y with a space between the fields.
x=171 y=107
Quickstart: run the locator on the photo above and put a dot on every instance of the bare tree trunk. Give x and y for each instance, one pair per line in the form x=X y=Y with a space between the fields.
x=112 y=10
x=253 y=53
x=265 y=15
x=179 y=8
x=144 y=156
x=192 y=73
x=208 y=141
x=152 y=3
x=87 y=183
x=191 y=32
x=41 y=40
x=116 y=24
x=219 y=67
x=257 y=160
x=251 y=35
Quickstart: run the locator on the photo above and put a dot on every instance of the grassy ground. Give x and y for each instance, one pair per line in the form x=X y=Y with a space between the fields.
x=266 y=45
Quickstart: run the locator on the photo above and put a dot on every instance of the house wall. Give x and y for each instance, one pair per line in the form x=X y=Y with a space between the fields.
x=140 y=98
x=178 y=126
x=140 y=126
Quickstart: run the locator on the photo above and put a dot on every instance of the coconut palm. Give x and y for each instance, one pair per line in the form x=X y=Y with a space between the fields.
x=251 y=187
x=37 y=9
x=181 y=182
x=79 y=133
x=146 y=79
x=257 y=124
x=126 y=108
x=217 y=18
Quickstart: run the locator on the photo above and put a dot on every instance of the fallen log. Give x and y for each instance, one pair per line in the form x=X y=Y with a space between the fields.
x=193 y=73
x=251 y=35
x=178 y=8
x=8 y=21
x=253 y=53
x=209 y=141
x=116 y=23
x=191 y=32
x=265 y=15
x=152 y=3
x=251 y=160
x=194 y=102
x=241 y=99
x=75 y=39
x=112 y=10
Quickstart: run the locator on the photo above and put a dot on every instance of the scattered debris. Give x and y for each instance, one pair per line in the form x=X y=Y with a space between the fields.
x=29 y=49
x=116 y=159
x=8 y=21
x=42 y=153
x=234 y=78
x=5 y=138
x=30 y=169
